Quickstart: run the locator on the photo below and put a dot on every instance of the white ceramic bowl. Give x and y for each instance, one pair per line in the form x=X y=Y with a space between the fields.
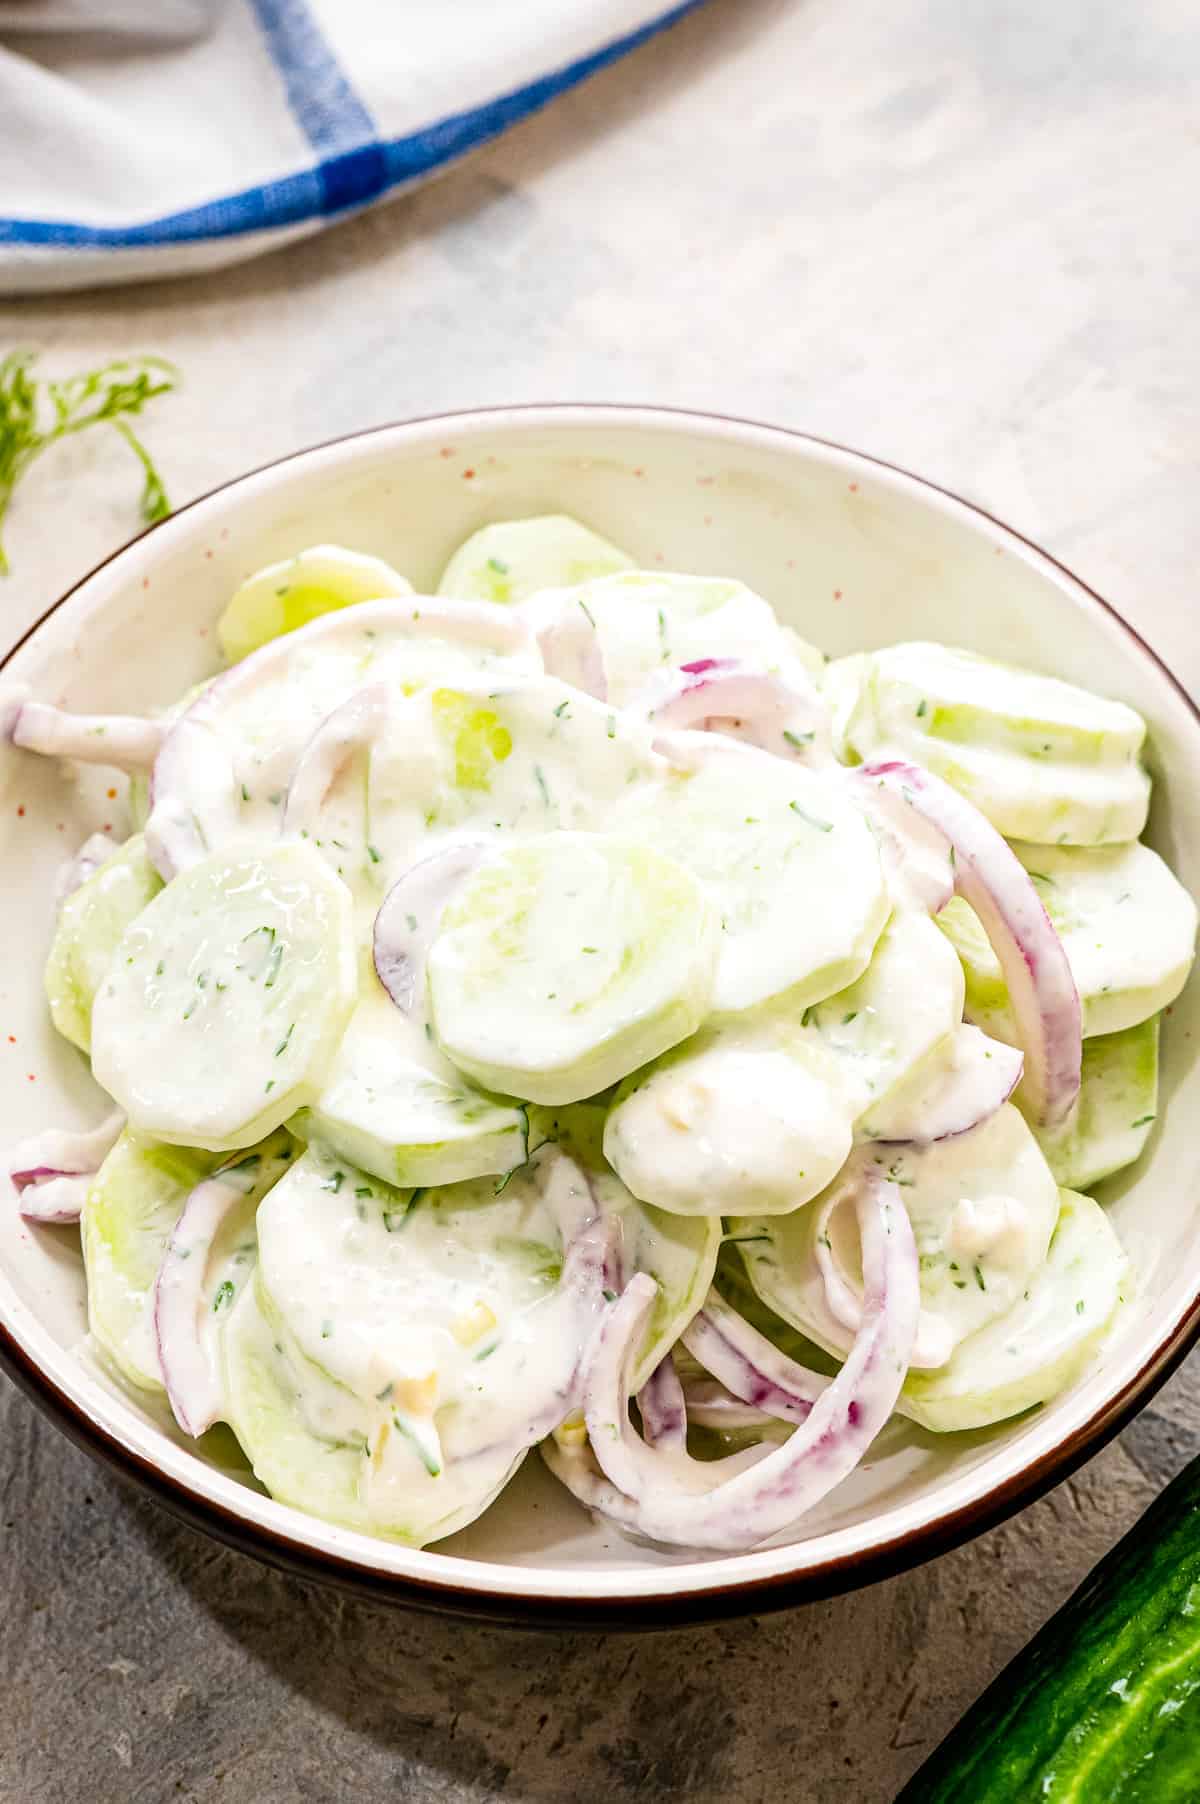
x=854 y=554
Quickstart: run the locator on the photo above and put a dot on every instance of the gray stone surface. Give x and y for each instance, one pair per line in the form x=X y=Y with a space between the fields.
x=960 y=234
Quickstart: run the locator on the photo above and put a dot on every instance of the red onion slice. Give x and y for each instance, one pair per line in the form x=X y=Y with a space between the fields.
x=568 y=640
x=749 y=1365
x=350 y=728
x=682 y=1502
x=193 y=781
x=193 y=1385
x=122 y=740
x=409 y=918
x=53 y=1172
x=993 y=880
x=726 y=696
x=933 y=1342
x=710 y=1405
x=979 y=1079
x=662 y=1409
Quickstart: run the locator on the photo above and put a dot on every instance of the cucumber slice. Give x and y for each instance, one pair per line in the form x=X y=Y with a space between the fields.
x=774 y=845
x=983 y=1207
x=380 y=1286
x=1118 y=1102
x=396 y=1107
x=754 y=1115
x=226 y=998
x=284 y=596
x=648 y=622
x=724 y=1126
x=896 y=1022
x=1126 y=922
x=1127 y=925
x=602 y=949
x=130 y=1211
x=1043 y=760
x=677 y=1251
x=515 y=558
x=487 y=756
x=1039 y=1346
x=91 y=923
x=221 y=779
x=438 y=1318
x=307 y=1440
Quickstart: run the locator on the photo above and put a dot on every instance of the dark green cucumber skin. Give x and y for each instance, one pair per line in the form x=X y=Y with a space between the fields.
x=1103 y=1706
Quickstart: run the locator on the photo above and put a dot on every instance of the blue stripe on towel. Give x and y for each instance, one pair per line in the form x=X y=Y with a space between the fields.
x=347 y=178
x=328 y=111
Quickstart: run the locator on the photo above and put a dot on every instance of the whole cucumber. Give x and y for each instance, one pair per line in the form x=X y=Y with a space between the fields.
x=1103 y=1706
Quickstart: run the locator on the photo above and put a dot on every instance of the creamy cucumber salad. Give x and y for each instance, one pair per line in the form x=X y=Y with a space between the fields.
x=567 y=1011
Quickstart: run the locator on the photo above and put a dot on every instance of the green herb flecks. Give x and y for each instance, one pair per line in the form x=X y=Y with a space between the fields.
x=424 y=1452
x=223 y=1295
x=811 y=820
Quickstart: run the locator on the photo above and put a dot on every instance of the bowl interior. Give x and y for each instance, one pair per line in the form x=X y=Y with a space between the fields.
x=851 y=554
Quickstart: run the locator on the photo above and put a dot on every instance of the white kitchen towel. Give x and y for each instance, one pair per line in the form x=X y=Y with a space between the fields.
x=140 y=140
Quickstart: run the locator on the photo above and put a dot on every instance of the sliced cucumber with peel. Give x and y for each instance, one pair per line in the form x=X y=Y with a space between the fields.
x=227 y=997
x=756 y=1114
x=720 y=1126
x=881 y=1033
x=394 y=1105
x=775 y=845
x=515 y=558
x=130 y=1211
x=308 y=1442
x=401 y=1349
x=1043 y=1342
x=284 y=596
x=983 y=1207
x=678 y=1251
x=1116 y=1111
x=227 y=762
x=602 y=948
x=1098 y=900
x=91 y=923
x=1043 y=760
x=523 y=755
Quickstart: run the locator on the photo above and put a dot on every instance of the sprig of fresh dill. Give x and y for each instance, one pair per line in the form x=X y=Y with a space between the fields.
x=36 y=413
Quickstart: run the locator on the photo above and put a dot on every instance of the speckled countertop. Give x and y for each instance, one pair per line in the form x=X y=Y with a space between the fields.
x=958 y=233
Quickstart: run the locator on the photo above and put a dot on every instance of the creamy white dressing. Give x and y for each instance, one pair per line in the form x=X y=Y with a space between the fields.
x=983 y=1206
x=633 y=977
x=647 y=623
